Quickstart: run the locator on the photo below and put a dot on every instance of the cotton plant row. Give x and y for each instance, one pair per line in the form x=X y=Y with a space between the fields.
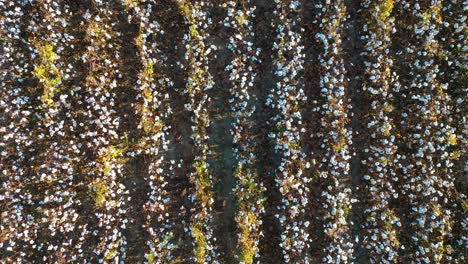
x=335 y=137
x=103 y=141
x=50 y=173
x=198 y=83
x=285 y=99
x=454 y=27
x=154 y=110
x=426 y=167
x=380 y=82
x=18 y=226
x=453 y=36
x=454 y=41
x=249 y=191
x=56 y=163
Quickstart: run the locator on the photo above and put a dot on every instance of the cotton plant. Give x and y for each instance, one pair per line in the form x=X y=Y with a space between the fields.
x=249 y=190
x=428 y=177
x=334 y=165
x=198 y=83
x=284 y=99
x=382 y=224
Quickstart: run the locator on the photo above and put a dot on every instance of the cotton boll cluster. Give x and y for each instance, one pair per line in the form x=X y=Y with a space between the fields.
x=198 y=83
x=453 y=41
x=381 y=224
x=55 y=66
x=102 y=138
x=52 y=199
x=18 y=226
x=155 y=110
x=249 y=191
x=426 y=166
x=334 y=165
x=285 y=100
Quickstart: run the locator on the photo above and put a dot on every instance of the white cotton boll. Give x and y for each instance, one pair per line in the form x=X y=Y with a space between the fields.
x=282 y=219
x=421 y=222
x=422 y=210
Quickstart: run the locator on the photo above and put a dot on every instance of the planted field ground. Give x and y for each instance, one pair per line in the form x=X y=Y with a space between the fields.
x=243 y=131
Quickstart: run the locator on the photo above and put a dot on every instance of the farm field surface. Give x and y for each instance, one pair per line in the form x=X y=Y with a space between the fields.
x=242 y=131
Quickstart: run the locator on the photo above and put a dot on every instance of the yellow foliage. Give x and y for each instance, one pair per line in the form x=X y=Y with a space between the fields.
x=203 y=183
x=247 y=253
x=240 y=19
x=385 y=9
x=150 y=257
x=185 y=10
x=113 y=252
x=47 y=72
x=149 y=68
x=107 y=169
x=112 y=153
x=194 y=32
x=388 y=108
x=452 y=139
x=201 y=245
x=338 y=146
x=455 y=155
x=386 y=133
x=464 y=204
x=433 y=12
x=100 y=193
x=139 y=40
x=130 y=3
x=48 y=53
x=203 y=180
x=148 y=94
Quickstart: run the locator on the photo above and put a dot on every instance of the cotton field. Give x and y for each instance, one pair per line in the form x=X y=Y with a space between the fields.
x=242 y=131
